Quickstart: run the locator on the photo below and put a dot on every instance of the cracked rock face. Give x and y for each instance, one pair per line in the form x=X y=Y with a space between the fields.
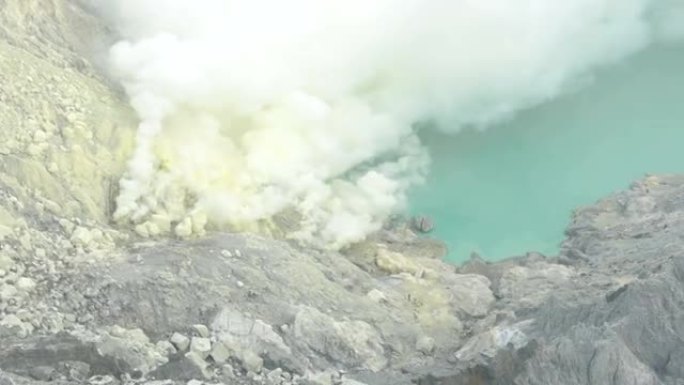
x=82 y=302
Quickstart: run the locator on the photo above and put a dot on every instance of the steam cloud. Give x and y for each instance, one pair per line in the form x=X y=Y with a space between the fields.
x=252 y=108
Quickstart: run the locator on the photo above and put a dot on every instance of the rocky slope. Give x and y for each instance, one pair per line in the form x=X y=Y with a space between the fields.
x=83 y=302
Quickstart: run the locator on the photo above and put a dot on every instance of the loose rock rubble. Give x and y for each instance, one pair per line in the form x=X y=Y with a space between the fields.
x=168 y=311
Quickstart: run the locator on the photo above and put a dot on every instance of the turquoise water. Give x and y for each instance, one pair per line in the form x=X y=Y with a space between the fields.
x=512 y=188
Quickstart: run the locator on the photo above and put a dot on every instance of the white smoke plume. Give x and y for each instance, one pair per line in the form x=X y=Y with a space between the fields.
x=249 y=108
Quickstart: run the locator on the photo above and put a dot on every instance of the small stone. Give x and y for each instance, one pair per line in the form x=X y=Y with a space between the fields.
x=6 y=262
x=238 y=253
x=39 y=136
x=85 y=318
x=425 y=345
x=321 y=378
x=219 y=353
x=201 y=330
x=252 y=362
x=180 y=341
x=67 y=225
x=376 y=296
x=75 y=370
x=201 y=346
x=25 y=241
x=52 y=323
x=186 y=368
x=227 y=374
x=102 y=380
x=23 y=315
x=5 y=379
x=97 y=235
x=226 y=253
x=90 y=292
x=194 y=382
x=275 y=376
x=144 y=229
x=184 y=228
x=42 y=373
x=11 y=325
x=81 y=236
x=7 y=292
x=166 y=348
x=198 y=361
x=423 y=224
x=240 y=284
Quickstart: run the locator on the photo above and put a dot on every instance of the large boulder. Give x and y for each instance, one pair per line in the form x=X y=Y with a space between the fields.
x=354 y=344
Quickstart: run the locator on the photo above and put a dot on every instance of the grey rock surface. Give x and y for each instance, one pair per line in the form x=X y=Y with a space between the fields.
x=85 y=302
x=607 y=310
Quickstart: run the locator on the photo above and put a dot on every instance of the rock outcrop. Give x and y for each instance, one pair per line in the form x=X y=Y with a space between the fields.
x=238 y=308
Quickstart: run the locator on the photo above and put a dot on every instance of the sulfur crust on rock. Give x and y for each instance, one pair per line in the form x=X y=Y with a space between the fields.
x=65 y=131
x=394 y=263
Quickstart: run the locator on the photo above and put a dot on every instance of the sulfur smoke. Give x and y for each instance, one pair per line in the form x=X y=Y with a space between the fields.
x=252 y=110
